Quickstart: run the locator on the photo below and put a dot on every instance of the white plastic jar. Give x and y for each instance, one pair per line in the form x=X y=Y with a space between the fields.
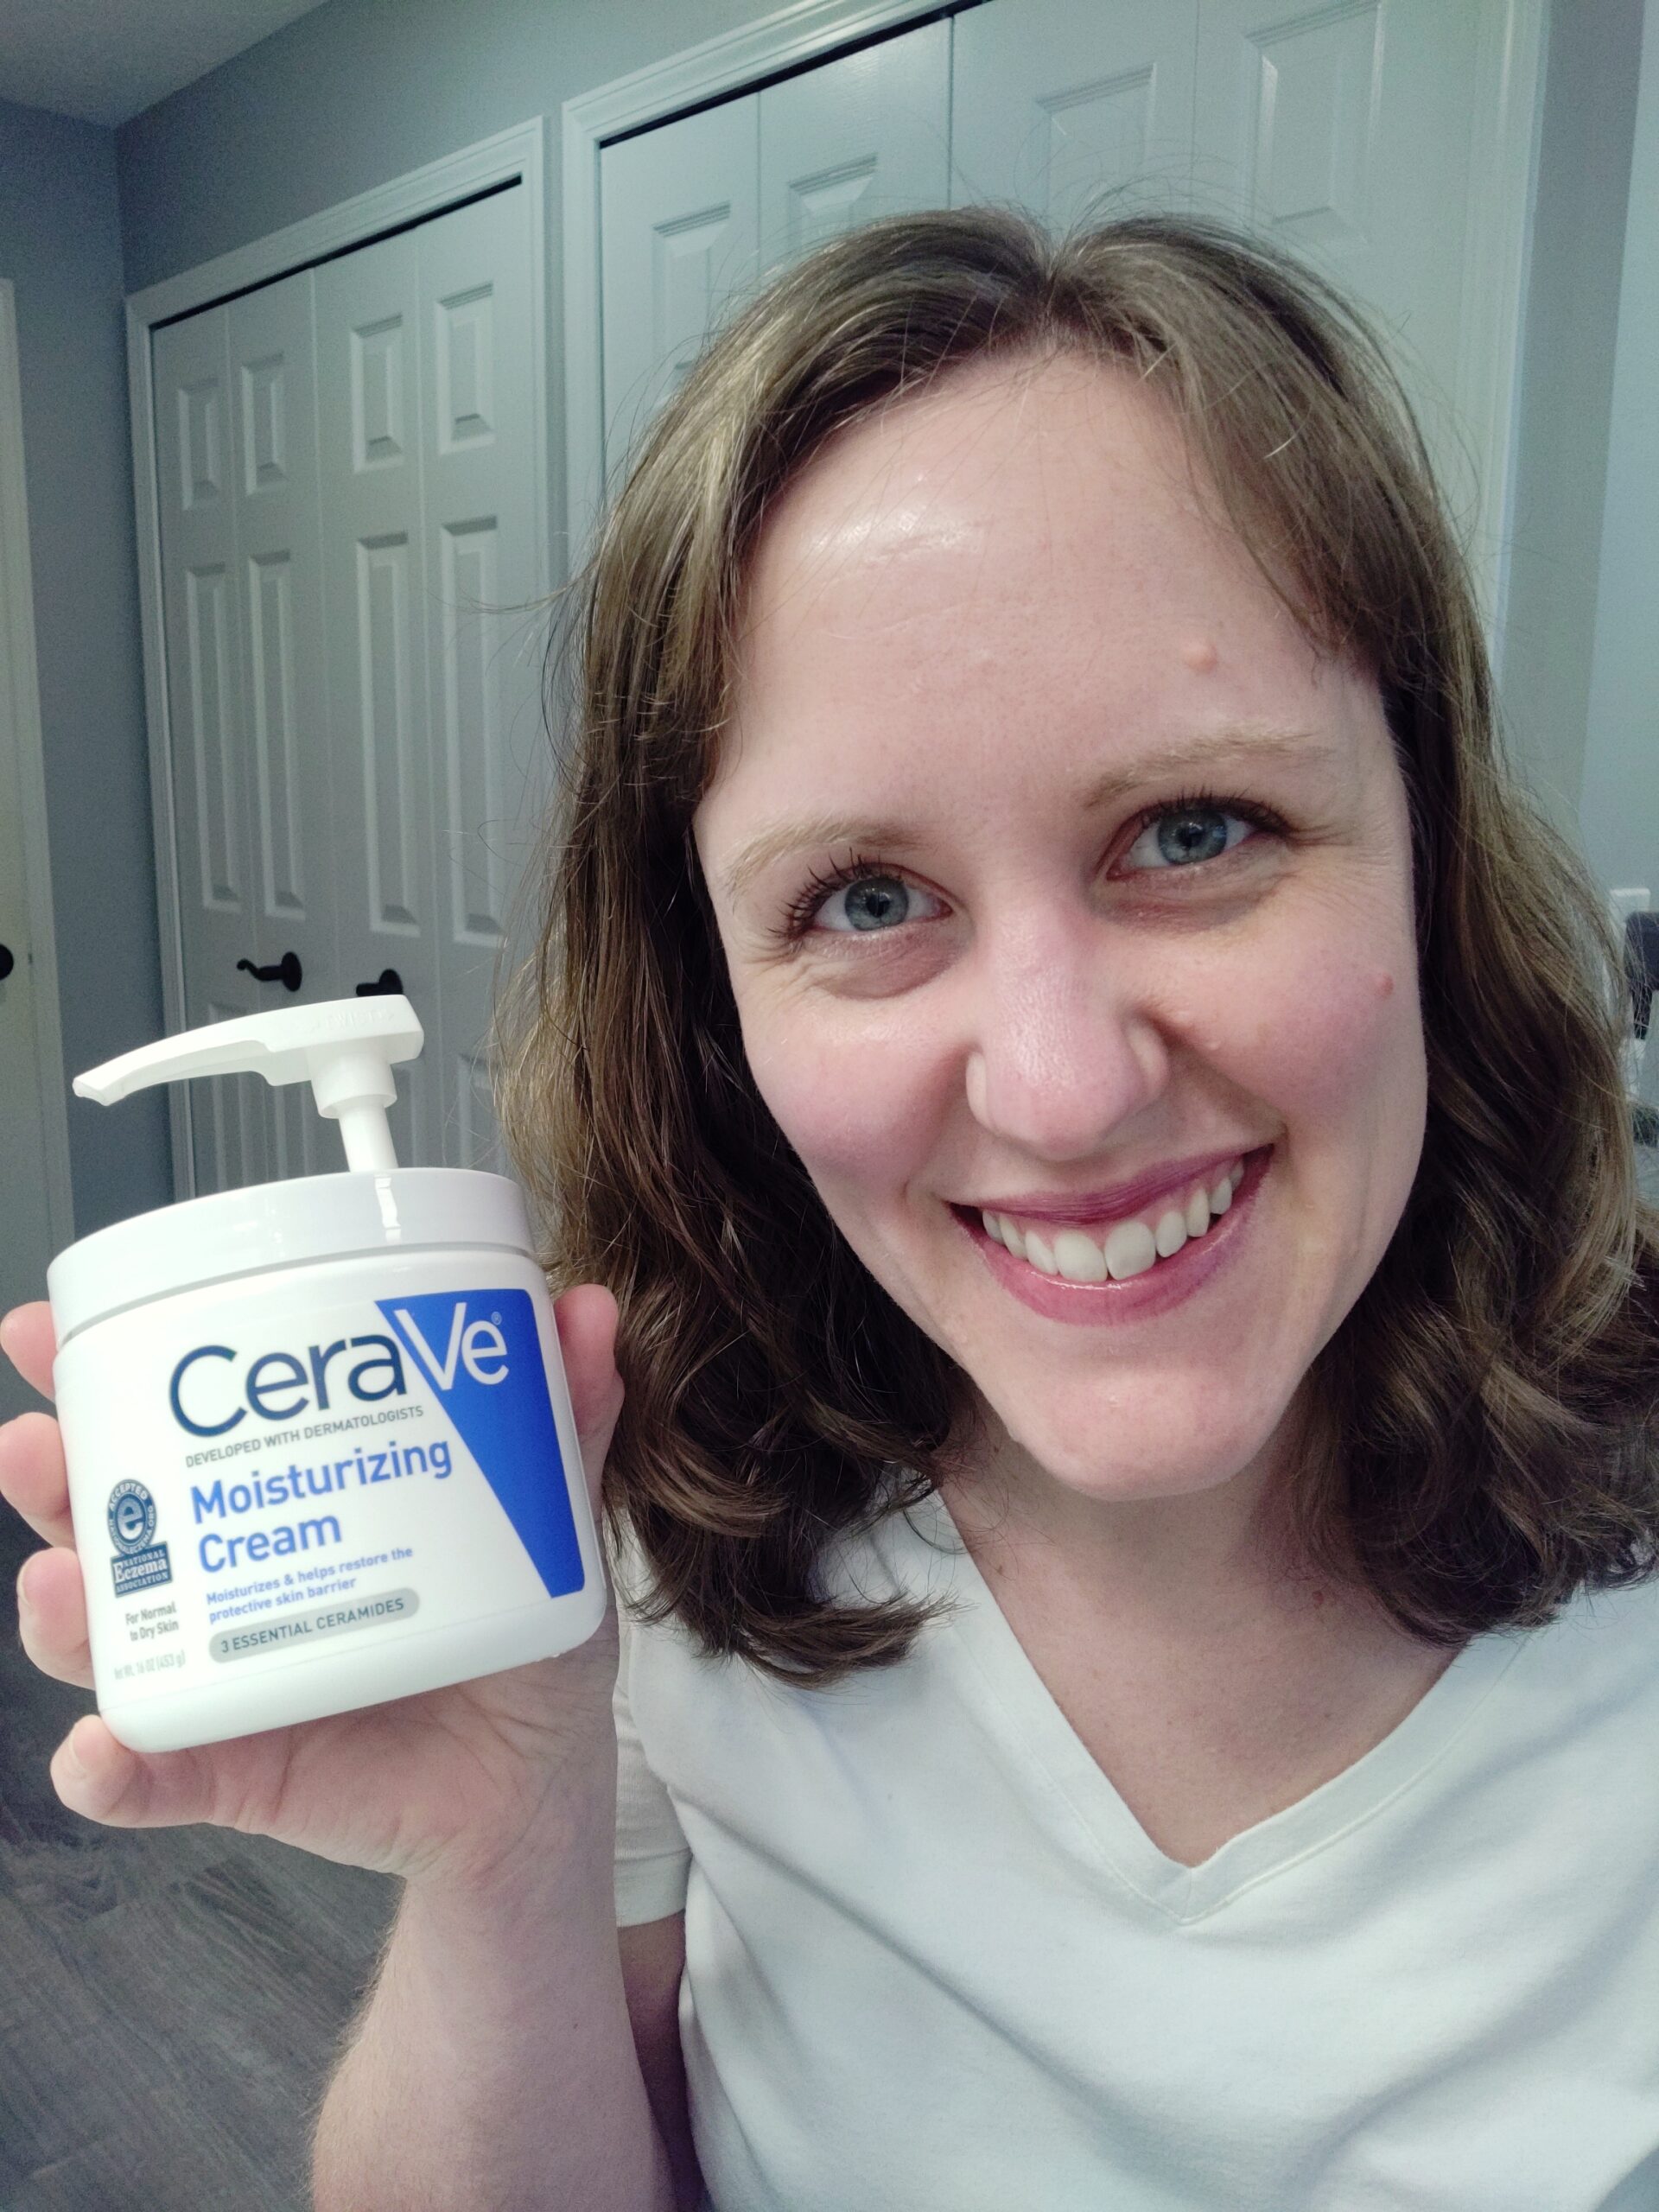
x=319 y=1444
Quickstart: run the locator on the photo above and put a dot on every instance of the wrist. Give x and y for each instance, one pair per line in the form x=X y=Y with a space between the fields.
x=565 y=1842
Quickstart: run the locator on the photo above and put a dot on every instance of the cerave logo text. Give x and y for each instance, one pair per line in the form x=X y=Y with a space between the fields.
x=212 y=1390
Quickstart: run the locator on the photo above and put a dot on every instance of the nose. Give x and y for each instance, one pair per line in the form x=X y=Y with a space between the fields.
x=1064 y=1048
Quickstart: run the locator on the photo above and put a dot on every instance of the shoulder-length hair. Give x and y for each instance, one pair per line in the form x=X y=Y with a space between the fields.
x=1480 y=1431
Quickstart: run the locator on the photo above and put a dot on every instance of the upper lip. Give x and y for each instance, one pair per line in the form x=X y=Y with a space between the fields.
x=1118 y=1200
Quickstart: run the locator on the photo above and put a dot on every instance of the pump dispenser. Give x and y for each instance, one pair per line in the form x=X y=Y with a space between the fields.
x=346 y=1048
x=320 y=1443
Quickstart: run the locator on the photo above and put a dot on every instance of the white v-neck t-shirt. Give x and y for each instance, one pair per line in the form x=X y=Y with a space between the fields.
x=934 y=1964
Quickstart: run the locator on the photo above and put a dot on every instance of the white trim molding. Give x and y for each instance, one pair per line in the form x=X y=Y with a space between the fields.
x=20 y=710
x=518 y=156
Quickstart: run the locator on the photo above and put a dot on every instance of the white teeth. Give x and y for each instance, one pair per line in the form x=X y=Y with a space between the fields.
x=1129 y=1248
x=1078 y=1257
x=1039 y=1255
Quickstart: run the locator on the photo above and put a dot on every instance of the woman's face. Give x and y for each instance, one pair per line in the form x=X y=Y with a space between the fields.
x=992 y=650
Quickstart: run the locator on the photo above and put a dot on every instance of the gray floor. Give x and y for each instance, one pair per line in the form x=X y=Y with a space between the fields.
x=170 y=1999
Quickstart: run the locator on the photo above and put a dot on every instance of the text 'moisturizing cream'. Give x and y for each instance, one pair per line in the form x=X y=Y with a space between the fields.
x=320 y=1443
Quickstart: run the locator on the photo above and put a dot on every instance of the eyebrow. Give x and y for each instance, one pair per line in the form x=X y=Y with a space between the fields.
x=1249 y=742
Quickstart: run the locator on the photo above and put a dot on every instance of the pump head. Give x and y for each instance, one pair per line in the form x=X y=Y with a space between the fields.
x=344 y=1048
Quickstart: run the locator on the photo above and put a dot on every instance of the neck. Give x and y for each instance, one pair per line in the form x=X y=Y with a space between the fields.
x=1206 y=1562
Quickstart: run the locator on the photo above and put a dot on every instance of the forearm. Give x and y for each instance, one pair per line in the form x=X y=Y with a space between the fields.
x=494 y=2062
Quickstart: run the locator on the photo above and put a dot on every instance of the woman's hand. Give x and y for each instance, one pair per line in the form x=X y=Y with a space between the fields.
x=448 y=1785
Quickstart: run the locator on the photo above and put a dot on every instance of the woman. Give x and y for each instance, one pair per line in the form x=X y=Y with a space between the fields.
x=1098 y=1106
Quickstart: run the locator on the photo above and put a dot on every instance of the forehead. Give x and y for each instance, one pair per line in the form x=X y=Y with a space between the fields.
x=1009 y=604
x=1021 y=539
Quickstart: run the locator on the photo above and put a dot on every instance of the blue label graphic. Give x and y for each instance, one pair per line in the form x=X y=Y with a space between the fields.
x=132 y=1516
x=144 y=1570
x=480 y=1351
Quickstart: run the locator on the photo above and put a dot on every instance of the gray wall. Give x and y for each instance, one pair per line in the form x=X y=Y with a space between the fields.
x=1620 y=807
x=360 y=91
x=59 y=245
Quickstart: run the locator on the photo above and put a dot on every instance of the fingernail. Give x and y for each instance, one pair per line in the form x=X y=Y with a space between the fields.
x=25 y=1602
x=73 y=1769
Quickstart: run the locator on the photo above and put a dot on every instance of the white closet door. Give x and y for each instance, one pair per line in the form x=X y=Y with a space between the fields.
x=864 y=136
x=1345 y=133
x=1056 y=102
x=218 y=905
x=284 y=715
x=679 y=235
x=370 y=362
x=351 y=494
x=485 y=630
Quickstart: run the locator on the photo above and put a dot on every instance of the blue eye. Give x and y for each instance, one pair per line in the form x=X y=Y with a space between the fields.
x=875 y=901
x=1185 y=835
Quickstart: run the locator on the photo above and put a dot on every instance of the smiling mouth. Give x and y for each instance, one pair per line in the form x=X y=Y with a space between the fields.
x=1117 y=1251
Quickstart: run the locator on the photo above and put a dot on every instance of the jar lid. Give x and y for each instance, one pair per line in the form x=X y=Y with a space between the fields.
x=269 y=1225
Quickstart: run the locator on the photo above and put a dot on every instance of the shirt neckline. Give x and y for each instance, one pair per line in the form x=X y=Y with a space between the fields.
x=1030 y=1725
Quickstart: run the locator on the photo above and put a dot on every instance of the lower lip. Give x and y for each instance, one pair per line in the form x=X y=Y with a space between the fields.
x=1139 y=1298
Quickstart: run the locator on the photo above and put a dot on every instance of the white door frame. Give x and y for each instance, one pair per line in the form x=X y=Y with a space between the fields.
x=1496 y=247
x=518 y=154
x=20 y=715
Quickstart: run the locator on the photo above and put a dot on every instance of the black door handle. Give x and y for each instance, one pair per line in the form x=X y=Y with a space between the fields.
x=388 y=983
x=285 y=971
x=8 y=962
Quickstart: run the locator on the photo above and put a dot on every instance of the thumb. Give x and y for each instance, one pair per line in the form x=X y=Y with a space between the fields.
x=587 y=1318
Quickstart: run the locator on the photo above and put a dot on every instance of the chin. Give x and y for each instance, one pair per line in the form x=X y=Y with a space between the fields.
x=1175 y=1456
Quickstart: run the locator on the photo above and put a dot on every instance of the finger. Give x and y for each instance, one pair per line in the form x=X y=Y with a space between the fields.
x=32 y=1477
x=100 y=1778
x=52 y=1617
x=28 y=1340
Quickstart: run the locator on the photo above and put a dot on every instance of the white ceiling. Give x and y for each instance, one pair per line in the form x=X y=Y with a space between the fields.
x=106 y=60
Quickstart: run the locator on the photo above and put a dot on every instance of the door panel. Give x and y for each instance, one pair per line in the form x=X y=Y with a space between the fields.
x=679 y=212
x=1064 y=105
x=1344 y=134
x=867 y=136
x=485 y=630
x=284 y=699
x=219 y=915
x=370 y=396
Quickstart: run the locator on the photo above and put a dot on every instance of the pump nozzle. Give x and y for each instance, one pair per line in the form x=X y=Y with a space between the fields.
x=344 y=1048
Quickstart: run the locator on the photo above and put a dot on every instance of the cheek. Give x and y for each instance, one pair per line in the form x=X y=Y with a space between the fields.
x=851 y=1107
x=1332 y=1046
x=1329 y=1036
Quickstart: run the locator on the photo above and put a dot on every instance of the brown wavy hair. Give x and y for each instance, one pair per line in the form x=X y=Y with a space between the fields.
x=1479 y=1438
